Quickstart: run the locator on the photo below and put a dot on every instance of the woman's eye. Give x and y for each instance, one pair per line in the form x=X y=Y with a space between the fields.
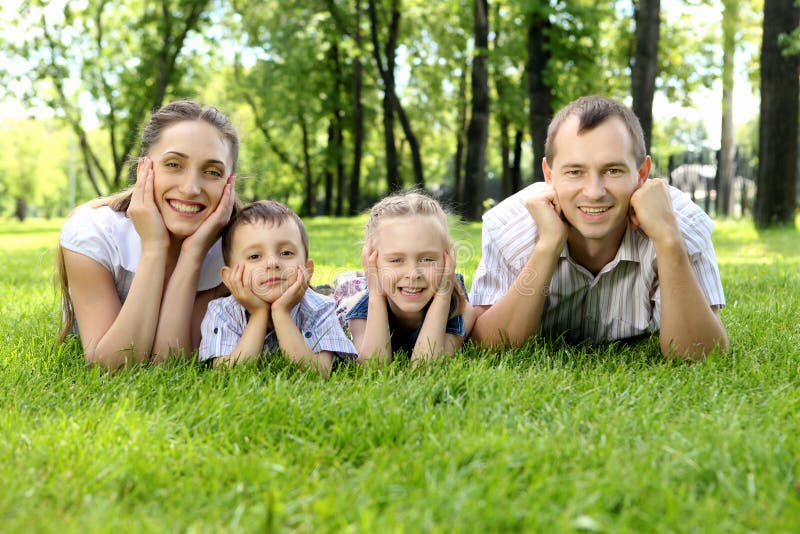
x=214 y=172
x=171 y=164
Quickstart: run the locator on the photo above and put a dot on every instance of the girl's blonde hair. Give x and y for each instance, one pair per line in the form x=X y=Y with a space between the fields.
x=161 y=119
x=407 y=204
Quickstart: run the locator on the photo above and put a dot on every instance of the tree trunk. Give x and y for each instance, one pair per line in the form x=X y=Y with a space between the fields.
x=505 y=156
x=308 y=202
x=516 y=169
x=358 y=120
x=539 y=93
x=393 y=180
x=644 y=64
x=478 y=130
x=727 y=148
x=329 y=166
x=780 y=89
x=461 y=133
x=413 y=143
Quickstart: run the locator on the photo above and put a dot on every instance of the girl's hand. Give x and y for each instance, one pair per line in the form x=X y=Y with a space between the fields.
x=240 y=286
x=447 y=282
x=369 y=259
x=209 y=230
x=143 y=211
x=294 y=293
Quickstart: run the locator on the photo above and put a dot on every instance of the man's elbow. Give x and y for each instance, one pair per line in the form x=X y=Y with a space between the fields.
x=695 y=350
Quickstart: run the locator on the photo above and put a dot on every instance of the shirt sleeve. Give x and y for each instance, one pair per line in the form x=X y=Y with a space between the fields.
x=493 y=276
x=221 y=329
x=85 y=233
x=323 y=332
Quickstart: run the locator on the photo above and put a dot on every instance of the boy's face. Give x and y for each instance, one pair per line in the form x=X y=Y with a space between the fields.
x=271 y=256
x=594 y=175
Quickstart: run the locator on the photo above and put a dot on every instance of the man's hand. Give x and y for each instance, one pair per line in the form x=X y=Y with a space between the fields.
x=546 y=213
x=651 y=210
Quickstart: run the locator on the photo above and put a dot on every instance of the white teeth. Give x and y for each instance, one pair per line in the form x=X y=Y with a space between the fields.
x=185 y=208
x=594 y=210
x=411 y=291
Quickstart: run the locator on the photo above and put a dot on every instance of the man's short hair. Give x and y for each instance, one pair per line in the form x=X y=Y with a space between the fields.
x=261 y=211
x=592 y=111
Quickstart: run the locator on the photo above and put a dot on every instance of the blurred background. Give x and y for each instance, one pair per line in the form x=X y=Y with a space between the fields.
x=338 y=102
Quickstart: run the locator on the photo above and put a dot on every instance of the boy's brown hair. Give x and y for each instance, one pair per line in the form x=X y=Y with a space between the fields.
x=261 y=211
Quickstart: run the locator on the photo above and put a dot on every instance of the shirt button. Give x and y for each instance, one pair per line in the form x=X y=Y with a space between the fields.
x=216 y=330
x=308 y=334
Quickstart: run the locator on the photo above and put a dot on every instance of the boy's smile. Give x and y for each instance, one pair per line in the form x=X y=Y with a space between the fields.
x=272 y=256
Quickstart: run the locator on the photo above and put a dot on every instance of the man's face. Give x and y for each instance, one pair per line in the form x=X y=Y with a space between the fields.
x=594 y=175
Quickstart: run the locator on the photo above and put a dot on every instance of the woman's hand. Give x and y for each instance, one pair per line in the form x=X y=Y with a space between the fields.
x=369 y=259
x=210 y=229
x=144 y=212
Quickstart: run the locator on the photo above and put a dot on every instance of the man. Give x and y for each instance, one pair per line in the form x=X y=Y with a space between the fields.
x=599 y=252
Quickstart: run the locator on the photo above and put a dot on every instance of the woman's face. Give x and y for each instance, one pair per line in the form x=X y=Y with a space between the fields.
x=191 y=163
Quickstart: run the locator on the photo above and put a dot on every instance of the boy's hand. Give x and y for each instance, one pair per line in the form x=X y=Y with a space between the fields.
x=294 y=293
x=240 y=286
x=369 y=259
x=546 y=213
x=143 y=211
x=651 y=210
x=210 y=229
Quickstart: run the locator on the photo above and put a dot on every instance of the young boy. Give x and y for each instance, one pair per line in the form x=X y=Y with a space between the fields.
x=267 y=271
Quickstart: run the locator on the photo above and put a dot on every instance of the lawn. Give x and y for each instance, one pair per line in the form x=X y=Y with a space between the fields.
x=548 y=438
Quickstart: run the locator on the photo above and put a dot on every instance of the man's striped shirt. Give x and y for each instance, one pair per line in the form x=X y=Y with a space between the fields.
x=623 y=300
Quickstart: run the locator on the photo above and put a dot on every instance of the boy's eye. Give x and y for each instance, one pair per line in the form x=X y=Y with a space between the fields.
x=287 y=253
x=428 y=259
x=253 y=257
x=395 y=260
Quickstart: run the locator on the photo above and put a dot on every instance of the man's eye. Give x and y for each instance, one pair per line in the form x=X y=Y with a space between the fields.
x=572 y=173
x=614 y=172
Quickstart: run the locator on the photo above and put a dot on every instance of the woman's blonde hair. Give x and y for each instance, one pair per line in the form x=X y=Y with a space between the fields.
x=161 y=119
x=407 y=204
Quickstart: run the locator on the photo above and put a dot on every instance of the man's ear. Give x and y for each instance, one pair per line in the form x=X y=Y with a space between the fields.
x=310 y=268
x=225 y=274
x=548 y=172
x=644 y=170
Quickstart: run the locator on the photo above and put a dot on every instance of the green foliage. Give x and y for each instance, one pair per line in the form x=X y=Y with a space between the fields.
x=551 y=437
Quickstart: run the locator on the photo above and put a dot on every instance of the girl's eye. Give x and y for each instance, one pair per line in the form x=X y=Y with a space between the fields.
x=428 y=260
x=395 y=260
x=287 y=253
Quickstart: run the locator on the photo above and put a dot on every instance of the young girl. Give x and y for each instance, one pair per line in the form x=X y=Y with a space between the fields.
x=413 y=300
x=138 y=269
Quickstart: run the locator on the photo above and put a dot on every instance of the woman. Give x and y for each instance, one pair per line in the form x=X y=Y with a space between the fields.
x=138 y=268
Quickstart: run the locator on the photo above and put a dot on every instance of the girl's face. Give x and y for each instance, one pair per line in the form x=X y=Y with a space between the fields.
x=191 y=163
x=410 y=262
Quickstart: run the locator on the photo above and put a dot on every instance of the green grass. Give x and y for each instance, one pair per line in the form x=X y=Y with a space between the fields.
x=549 y=438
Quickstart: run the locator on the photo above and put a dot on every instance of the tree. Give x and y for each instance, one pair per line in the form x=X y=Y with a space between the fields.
x=778 y=127
x=727 y=147
x=539 y=87
x=478 y=130
x=123 y=58
x=644 y=63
